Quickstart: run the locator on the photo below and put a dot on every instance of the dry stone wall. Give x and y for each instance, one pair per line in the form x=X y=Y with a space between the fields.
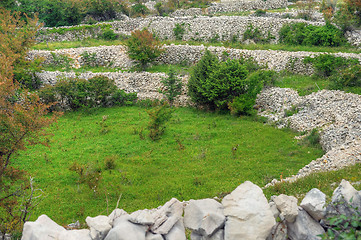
x=244 y=214
x=239 y=6
x=116 y=56
x=201 y=28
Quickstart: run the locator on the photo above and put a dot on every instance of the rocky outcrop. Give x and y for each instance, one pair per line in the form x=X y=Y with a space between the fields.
x=243 y=214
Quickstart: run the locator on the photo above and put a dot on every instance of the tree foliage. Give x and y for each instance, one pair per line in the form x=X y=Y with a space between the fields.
x=22 y=116
x=173 y=86
x=143 y=47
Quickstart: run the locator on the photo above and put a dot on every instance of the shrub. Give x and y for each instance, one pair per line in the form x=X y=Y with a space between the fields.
x=89 y=59
x=88 y=175
x=310 y=35
x=179 y=31
x=233 y=84
x=256 y=35
x=327 y=65
x=75 y=93
x=109 y=34
x=139 y=10
x=173 y=86
x=260 y=12
x=143 y=47
x=347 y=77
x=159 y=116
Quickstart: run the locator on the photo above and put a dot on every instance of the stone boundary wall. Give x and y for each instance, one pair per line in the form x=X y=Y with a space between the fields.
x=239 y=6
x=244 y=214
x=145 y=84
x=202 y=28
x=116 y=56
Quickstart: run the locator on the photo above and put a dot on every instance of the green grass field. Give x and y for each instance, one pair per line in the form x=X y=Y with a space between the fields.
x=193 y=160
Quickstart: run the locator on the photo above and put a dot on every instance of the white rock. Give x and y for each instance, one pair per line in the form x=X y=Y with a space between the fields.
x=125 y=230
x=204 y=216
x=115 y=214
x=153 y=236
x=166 y=216
x=248 y=214
x=42 y=229
x=287 y=205
x=82 y=234
x=314 y=204
x=99 y=226
x=345 y=191
x=177 y=232
x=143 y=217
x=274 y=209
x=304 y=227
x=219 y=235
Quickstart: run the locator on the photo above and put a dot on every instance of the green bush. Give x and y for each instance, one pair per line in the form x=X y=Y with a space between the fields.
x=327 y=65
x=143 y=48
x=256 y=35
x=139 y=10
x=347 y=77
x=158 y=117
x=260 y=12
x=173 y=86
x=75 y=93
x=310 y=35
x=109 y=34
x=233 y=84
x=179 y=31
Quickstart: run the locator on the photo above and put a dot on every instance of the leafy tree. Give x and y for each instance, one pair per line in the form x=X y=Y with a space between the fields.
x=143 y=47
x=158 y=117
x=173 y=86
x=22 y=116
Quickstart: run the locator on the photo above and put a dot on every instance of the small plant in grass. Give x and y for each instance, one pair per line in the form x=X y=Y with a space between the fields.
x=104 y=127
x=143 y=48
x=62 y=61
x=260 y=12
x=344 y=227
x=173 y=86
x=179 y=31
x=88 y=175
x=159 y=116
x=90 y=59
x=292 y=111
x=313 y=138
x=109 y=162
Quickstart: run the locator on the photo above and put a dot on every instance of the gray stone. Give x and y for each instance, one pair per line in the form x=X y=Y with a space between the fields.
x=287 y=205
x=82 y=234
x=99 y=226
x=274 y=209
x=304 y=227
x=125 y=230
x=248 y=213
x=278 y=232
x=166 y=216
x=143 y=217
x=219 y=235
x=115 y=214
x=43 y=228
x=177 y=232
x=314 y=204
x=153 y=236
x=204 y=216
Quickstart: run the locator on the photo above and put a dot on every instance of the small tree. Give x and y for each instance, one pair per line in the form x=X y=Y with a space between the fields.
x=158 y=117
x=173 y=86
x=143 y=47
x=22 y=117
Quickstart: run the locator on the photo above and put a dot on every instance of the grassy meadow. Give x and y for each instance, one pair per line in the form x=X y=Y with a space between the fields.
x=194 y=159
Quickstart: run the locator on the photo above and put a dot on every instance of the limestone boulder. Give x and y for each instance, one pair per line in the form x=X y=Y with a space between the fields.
x=274 y=209
x=177 y=232
x=83 y=234
x=287 y=205
x=42 y=229
x=219 y=235
x=166 y=216
x=315 y=204
x=115 y=214
x=125 y=230
x=304 y=227
x=204 y=217
x=99 y=226
x=153 y=236
x=143 y=217
x=249 y=215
